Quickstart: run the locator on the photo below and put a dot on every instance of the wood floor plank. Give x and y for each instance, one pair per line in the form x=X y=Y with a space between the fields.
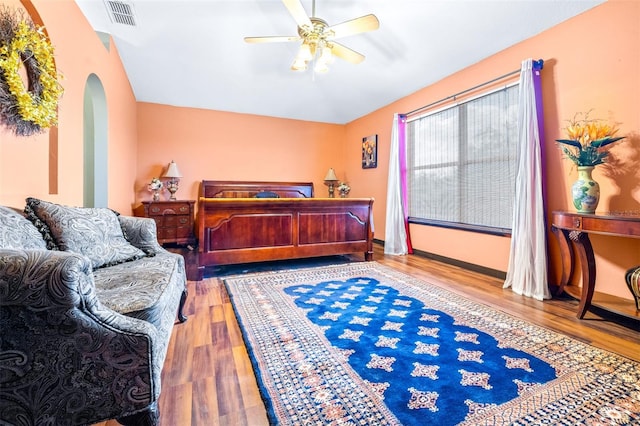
x=204 y=408
x=175 y=404
x=200 y=326
x=181 y=368
x=204 y=362
x=208 y=379
x=235 y=336
x=248 y=386
x=230 y=402
x=217 y=313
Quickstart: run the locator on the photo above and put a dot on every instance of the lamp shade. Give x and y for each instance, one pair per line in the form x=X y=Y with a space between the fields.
x=304 y=53
x=321 y=66
x=327 y=55
x=172 y=171
x=331 y=176
x=299 y=65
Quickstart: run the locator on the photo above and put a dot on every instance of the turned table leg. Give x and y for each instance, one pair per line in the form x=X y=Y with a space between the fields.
x=588 y=266
x=567 y=256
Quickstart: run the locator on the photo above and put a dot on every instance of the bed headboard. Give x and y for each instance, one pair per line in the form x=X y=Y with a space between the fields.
x=249 y=189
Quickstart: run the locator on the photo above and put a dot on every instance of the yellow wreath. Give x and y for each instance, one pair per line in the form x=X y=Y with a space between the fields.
x=37 y=104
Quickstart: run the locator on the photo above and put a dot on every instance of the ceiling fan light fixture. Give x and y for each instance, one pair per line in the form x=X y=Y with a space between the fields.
x=299 y=65
x=327 y=55
x=318 y=37
x=320 y=67
x=304 y=53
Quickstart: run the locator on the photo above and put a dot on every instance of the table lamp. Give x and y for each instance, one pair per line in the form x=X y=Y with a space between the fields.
x=330 y=180
x=174 y=176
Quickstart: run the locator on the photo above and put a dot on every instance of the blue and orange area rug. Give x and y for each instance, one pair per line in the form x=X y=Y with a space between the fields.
x=363 y=344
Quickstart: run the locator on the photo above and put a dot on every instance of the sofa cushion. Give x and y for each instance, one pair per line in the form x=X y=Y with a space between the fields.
x=137 y=289
x=16 y=232
x=92 y=232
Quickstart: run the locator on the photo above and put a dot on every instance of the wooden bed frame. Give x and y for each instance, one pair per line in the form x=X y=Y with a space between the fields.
x=234 y=226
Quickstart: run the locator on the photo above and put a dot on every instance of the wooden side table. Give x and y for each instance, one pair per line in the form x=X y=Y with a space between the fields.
x=572 y=230
x=174 y=220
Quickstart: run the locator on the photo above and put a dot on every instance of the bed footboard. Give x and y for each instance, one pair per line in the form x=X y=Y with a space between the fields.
x=243 y=230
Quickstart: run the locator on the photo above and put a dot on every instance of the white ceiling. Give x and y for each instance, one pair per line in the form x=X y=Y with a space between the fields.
x=191 y=53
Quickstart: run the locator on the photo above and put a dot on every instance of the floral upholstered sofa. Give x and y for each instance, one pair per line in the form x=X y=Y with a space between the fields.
x=88 y=300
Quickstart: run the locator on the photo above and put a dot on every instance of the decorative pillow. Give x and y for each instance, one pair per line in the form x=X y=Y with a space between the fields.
x=40 y=226
x=16 y=232
x=92 y=232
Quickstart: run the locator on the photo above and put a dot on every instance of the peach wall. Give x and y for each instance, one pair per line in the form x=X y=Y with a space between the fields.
x=216 y=145
x=17 y=153
x=584 y=69
x=591 y=62
x=78 y=53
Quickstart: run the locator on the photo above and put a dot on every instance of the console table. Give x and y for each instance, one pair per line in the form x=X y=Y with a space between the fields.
x=575 y=228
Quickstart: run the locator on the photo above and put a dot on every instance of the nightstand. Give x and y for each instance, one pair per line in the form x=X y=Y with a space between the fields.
x=174 y=220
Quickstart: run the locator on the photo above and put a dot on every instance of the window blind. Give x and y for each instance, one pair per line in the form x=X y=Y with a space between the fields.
x=461 y=163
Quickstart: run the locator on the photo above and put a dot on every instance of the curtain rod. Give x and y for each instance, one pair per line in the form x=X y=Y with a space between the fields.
x=537 y=65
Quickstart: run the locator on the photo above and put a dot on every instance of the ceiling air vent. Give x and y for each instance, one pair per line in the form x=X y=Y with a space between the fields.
x=120 y=12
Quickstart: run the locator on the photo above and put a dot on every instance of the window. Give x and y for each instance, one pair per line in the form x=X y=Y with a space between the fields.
x=461 y=164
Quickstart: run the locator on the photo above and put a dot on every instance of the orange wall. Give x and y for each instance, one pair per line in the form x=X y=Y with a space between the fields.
x=591 y=62
x=24 y=161
x=584 y=69
x=216 y=145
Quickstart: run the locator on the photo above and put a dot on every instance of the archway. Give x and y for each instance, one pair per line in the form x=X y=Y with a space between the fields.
x=95 y=119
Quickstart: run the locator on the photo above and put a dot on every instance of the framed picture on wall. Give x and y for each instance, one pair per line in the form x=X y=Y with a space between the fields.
x=370 y=152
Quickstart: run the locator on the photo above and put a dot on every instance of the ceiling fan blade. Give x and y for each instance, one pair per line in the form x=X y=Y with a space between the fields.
x=343 y=52
x=297 y=11
x=271 y=39
x=354 y=26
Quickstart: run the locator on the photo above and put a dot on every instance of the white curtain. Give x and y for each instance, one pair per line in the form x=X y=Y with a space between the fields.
x=395 y=233
x=527 y=270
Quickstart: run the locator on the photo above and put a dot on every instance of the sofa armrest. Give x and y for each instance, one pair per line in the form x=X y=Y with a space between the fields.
x=142 y=233
x=96 y=364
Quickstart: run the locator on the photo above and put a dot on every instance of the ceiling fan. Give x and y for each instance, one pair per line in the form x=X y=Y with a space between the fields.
x=318 y=37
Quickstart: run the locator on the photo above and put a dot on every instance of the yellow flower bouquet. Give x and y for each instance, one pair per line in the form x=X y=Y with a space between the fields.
x=586 y=140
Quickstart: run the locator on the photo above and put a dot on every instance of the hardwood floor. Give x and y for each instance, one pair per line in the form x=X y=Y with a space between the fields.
x=208 y=378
